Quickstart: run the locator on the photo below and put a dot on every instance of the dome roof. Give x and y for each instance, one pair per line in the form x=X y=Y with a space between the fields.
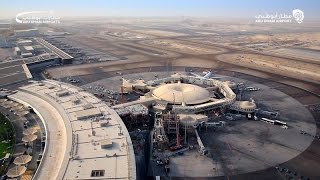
x=180 y=93
x=247 y=105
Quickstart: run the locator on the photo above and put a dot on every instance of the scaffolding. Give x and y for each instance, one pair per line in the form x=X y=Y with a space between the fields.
x=171 y=123
x=160 y=136
x=135 y=116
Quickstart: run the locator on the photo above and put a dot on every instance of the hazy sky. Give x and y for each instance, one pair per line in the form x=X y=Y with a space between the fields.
x=201 y=8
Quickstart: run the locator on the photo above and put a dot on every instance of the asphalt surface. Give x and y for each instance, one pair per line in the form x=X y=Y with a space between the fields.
x=250 y=142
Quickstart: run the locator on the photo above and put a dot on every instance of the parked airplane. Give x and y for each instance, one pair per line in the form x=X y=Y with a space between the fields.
x=251 y=89
x=207 y=75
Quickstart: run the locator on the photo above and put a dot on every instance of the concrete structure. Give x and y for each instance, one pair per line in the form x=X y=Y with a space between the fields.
x=29 y=48
x=191 y=121
x=3 y=42
x=62 y=92
x=65 y=57
x=26 y=55
x=78 y=149
x=4 y=25
x=17 y=51
x=136 y=109
x=88 y=113
x=244 y=106
x=18 y=70
x=24 y=51
x=24 y=42
x=26 y=33
x=134 y=116
x=42 y=60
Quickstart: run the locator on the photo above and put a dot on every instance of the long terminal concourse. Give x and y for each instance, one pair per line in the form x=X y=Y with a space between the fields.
x=82 y=133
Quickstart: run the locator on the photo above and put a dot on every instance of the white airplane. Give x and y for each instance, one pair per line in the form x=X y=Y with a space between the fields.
x=207 y=75
x=251 y=89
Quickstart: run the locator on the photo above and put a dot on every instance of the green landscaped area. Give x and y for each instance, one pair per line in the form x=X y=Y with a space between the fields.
x=6 y=136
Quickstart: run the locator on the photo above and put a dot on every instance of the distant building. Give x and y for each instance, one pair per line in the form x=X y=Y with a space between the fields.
x=26 y=55
x=3 y=42
x=24 y=51
x=24 y=43
x=17 y=51
x=26 y=33
x=4 y=25
x=3 y=94
x=29 y=49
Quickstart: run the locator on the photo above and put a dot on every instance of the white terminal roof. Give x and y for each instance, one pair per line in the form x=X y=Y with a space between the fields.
x=28 y=48
x=28 y=53
x=24 y=41
x=94 y=148
x=25 y=30
x=87 y=113
x=180 y=93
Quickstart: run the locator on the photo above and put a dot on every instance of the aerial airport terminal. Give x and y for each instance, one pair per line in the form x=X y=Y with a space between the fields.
x=159 y=98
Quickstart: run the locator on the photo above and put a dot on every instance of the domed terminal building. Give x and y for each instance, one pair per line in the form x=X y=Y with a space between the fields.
x=187 y=94
x=181 y=94
x=183 y=103
x=184 y=94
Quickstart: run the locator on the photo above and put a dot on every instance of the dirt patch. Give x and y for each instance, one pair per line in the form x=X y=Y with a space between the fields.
x=282 y=66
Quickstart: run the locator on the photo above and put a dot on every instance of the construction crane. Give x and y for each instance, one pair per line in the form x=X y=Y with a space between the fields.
x=202 y=148
x=178 y=145
x=122 y=100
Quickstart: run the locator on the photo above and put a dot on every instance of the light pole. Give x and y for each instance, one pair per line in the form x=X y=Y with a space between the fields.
x=185 y=133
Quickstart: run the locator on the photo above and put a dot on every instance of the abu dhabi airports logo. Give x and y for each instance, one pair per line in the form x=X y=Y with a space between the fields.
x=37 y=17
x=297 y=16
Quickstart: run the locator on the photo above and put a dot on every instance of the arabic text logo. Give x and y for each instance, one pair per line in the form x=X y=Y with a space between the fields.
x=298 y=15
x=283 y=17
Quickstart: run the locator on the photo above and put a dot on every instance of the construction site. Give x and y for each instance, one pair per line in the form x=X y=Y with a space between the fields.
x=186 y=113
